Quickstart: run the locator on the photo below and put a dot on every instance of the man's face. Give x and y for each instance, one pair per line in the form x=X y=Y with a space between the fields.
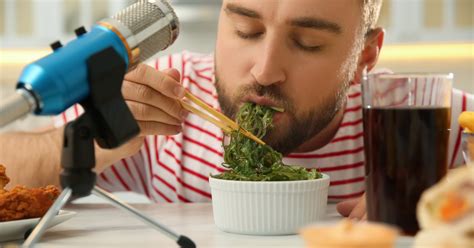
x=295 y=54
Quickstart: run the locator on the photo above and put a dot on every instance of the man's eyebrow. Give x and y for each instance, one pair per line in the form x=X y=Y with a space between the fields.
x=239 y=10
x=319 y=24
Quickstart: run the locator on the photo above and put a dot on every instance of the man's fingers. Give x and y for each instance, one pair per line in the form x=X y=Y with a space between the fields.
x=173 y=73
x=359 y=210
x=354 y=208
x=345 y=207
x=141 y=93
x=153 y=98
x=144 y=112
x=154 y=128
x=161 y=82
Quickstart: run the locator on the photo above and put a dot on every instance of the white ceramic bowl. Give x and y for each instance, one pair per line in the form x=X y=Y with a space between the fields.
x=268 y=208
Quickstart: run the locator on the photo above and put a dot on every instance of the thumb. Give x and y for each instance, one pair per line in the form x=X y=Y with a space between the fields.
x=173 y=73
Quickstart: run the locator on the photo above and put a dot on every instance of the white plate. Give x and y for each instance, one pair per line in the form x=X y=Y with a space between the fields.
x=15 y=229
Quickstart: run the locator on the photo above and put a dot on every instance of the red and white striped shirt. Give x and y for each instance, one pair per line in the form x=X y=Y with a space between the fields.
x=176 y=168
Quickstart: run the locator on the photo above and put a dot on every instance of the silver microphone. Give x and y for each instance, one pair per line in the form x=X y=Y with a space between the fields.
x=148 y=26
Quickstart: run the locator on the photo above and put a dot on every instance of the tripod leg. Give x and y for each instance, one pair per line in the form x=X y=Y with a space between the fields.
x=40 y=228
x=183 y=241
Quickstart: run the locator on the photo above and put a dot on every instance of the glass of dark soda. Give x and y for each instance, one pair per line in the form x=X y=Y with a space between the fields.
x=407 y=119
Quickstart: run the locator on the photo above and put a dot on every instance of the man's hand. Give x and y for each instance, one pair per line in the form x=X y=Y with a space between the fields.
x=353 y=209
x=153 y=98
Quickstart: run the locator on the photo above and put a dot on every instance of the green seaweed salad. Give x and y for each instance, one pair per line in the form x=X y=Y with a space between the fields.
x=249 y=161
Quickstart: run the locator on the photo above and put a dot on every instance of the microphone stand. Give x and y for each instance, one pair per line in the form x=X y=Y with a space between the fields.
x=107 y=120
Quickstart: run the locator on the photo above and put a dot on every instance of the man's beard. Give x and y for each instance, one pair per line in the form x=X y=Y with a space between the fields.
x=301 y=127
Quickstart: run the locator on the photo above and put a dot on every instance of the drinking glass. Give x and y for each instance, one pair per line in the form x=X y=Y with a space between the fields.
x=407 y=119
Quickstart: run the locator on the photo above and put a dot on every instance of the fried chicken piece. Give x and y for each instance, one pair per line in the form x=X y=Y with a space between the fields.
x=22 y=202
x=3 y=178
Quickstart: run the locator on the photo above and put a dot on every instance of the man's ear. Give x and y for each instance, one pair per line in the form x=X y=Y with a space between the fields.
x=370 y=53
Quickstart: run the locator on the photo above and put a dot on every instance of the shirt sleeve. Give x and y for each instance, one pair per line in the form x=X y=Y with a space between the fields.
x=461 y=101
x=70 y=114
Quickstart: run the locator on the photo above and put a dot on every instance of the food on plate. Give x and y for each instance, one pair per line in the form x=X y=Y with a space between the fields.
x=249 y=161
x=466 y=121
x=449 y=200
x=22 y=202
x=349 y=234
x=446 y=212
x=3 y=178
x=448 y=236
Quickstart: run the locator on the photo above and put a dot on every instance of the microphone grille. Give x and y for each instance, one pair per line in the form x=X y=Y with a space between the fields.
x=141 y=15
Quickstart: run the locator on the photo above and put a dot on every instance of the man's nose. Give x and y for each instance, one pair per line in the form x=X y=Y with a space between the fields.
x=268 y=68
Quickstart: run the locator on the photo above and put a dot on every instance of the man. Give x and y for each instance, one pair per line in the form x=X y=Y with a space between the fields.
x=306 y=56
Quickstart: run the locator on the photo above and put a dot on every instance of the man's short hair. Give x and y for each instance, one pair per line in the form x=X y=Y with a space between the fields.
x=370 y=13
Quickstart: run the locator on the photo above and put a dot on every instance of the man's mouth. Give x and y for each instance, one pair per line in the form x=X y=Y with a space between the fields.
x=264 y=101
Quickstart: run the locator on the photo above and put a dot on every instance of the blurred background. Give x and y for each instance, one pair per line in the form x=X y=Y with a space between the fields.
x=422 y=36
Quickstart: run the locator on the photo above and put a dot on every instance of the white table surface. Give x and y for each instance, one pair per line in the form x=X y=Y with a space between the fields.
x=102 y=225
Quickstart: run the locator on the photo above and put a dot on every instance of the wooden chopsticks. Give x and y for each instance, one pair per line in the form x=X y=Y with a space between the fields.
x=216 y=118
